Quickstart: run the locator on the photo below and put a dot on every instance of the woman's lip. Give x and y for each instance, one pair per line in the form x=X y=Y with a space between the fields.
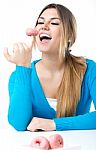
x=45 y=33
x=44 y=42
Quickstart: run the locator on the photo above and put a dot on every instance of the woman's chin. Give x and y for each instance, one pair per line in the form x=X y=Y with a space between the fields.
x=43 y=51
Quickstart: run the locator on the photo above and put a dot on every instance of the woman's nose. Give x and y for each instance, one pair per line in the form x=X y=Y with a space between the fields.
x=45 y=26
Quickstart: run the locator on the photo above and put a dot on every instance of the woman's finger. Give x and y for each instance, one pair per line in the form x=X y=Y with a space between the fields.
x=19 y=47
x=6 y=54
x=26 y=47
x=15 y=48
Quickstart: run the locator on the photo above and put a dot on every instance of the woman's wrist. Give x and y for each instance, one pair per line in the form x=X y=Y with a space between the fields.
x=28 y=65
x=53 y=126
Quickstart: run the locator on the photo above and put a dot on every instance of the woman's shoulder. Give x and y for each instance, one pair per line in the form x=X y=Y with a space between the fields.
x=91 y=67
x=90 y=63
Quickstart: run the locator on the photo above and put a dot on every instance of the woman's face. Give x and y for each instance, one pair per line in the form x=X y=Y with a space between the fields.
x=49 y=31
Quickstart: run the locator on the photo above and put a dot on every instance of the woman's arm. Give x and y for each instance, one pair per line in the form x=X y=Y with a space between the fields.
x=80 y=122
x=20 y=106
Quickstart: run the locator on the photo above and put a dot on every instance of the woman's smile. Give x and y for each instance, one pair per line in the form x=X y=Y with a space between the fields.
x=44 y=38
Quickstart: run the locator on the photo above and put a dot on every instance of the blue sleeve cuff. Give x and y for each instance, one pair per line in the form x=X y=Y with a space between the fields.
x=23 y=75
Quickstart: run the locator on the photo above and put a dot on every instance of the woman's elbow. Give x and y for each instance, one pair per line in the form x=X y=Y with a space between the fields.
x=17 y=124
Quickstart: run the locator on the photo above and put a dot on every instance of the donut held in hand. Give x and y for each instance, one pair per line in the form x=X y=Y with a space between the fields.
x=31 y=32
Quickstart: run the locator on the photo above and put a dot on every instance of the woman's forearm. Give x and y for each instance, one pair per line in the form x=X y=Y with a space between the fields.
x=20 y=107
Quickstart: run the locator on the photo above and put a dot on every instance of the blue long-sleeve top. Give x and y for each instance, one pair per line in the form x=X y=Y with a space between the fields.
x=27 y=100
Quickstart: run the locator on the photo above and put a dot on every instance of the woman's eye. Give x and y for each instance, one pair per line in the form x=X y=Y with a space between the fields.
x=54 y=23
x=40 y=22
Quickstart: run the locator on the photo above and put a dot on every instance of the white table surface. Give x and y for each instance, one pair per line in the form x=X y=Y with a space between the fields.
x=10 y=139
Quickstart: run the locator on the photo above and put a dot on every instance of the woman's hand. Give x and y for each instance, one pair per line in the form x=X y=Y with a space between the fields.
x=41 y=124
x=22 y=53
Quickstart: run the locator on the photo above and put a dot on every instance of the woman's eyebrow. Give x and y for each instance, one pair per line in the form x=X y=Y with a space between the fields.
x=54 y=18
x=50 y=18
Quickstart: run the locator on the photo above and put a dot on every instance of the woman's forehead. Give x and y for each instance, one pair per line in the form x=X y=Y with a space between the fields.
x=50 y=12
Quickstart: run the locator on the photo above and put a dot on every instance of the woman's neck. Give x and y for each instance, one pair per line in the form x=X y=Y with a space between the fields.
x=52 y=63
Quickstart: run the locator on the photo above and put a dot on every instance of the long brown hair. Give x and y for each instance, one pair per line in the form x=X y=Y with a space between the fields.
x=68 y=93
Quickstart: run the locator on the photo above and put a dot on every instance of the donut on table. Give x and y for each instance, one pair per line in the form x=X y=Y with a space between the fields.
x=56 y=141
x=40 y=142
x=53 y=142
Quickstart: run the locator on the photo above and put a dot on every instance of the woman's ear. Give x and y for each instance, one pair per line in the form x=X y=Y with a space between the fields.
x=69 y=44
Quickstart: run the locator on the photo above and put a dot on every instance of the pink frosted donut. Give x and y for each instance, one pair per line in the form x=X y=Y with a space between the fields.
x=56 y=141
x=31 y=32
x=40 y=142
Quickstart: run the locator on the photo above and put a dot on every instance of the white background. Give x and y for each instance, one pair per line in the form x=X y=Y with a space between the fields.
x=17 y=15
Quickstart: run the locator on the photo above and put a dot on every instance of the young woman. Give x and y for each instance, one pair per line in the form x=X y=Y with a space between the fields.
x=55 y=92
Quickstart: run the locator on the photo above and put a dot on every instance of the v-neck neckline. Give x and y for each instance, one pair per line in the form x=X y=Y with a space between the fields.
x=38 y=84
